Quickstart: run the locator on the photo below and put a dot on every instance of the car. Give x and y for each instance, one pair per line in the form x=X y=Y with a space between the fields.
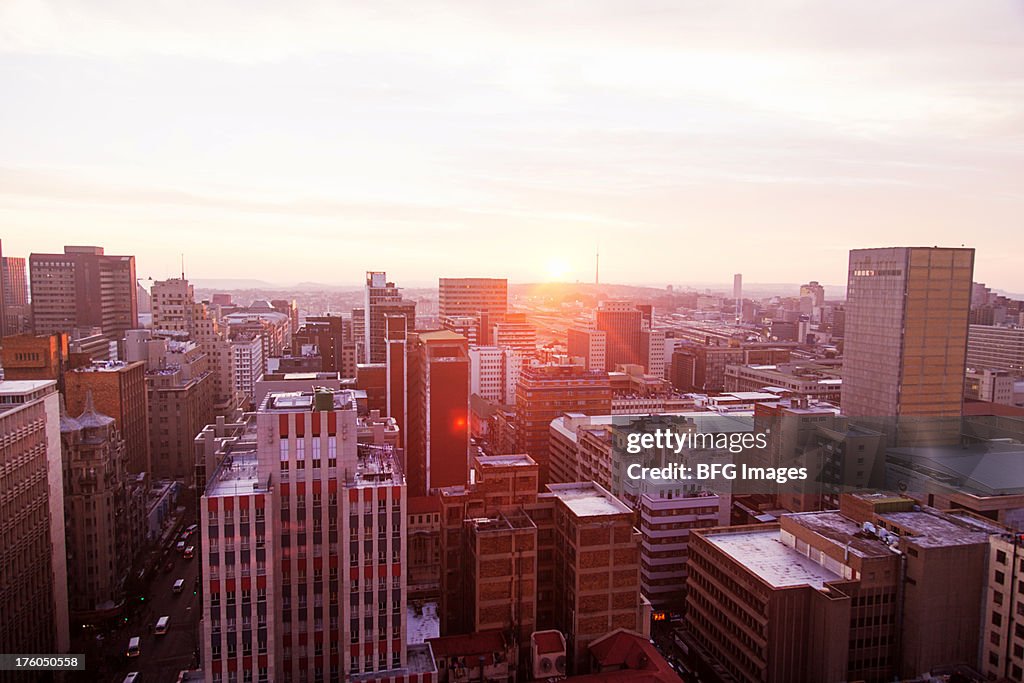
x=180 y=547
x=161 y=625
x=178 y=585
x=133 y=647
x=190 y=552
x=131 y=677
x=191 y=529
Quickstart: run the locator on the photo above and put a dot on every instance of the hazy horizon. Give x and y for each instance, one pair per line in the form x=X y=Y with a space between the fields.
x=686 y=140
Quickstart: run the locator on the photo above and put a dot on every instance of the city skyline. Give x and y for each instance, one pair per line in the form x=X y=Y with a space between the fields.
x=736 y=136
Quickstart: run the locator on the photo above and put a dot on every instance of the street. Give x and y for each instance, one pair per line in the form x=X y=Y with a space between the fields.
x=162 y=656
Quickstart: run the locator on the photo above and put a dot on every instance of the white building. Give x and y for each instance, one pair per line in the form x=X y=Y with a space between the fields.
x=494 y=373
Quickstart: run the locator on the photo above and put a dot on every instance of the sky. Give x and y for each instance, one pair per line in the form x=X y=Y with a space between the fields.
x=687 y=140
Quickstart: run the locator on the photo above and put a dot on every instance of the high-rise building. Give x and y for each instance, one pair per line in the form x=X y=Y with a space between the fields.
x=494 y=373
x=622 y=324
x=996 y=348
x=382 y=298
x=737 y=296
x=697 y=367
x=176 y=310
x=179 y=390
x=396 y=341
x=520 y=562
x=33 y=562
x=515 y=332
x=590 y=344
x=906 y=337
x=331 y=336
x=247 y=362
x=14 y=289
x=545 y=392
x=84 y=288
x=119 y=390
x=281 y=602
x=104 y=512
x=437 y=447
x=471 y=296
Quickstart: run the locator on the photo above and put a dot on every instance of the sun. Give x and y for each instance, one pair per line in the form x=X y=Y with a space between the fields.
x=557 y=270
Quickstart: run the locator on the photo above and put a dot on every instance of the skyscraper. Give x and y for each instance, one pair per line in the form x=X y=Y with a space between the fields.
x=622 y=323
x=737 y=295
x=464 y=296
x=33 y=564
x=437 y=446
x=280 y=601
x=14 y=289
x=382 y=298
x=84 y=288
x=907 y=315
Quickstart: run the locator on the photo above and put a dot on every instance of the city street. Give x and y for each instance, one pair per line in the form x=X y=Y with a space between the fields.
x=162 y=656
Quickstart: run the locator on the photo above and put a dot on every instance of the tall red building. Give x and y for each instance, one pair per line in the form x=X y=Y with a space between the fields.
x=437 y=448
x=622 y=323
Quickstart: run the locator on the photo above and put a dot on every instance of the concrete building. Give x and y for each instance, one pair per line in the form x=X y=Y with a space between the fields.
x=701 y=367
x=437 y=447
x=993 y=386
x=996 y=348
x=83 y=287
x=104 y=515
x=494 y=373
x=176 y=310
x=820 y=380
x=382 y=298
x=33 y=560
x=1002 y=657
x=119 y=390
x=281 y=603
x=424 y=547
x=245 y=354
x=179 y=391
x=471 y=296
x=331 y=336
x=515 y=332
x=545 y=392
x=519 y=561
x=878 y=590
x=588 y=344
x=31 y=357
x=622 y=323
x=14 y=289
x=906 y=338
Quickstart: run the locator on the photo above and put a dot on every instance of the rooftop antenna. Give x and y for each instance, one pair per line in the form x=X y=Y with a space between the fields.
x=183 y=266
x=597 y=265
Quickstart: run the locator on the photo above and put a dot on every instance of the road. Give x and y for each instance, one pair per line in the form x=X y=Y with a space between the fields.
x=163 y=656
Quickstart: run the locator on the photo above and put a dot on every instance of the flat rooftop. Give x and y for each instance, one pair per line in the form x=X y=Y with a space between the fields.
x=588 y=499
x=295 y=401
x=985 y=469
x=517 y=460
x=764 y=554
x=237 y=475
x=15 y=387
x=841 y=531
x=932 y=530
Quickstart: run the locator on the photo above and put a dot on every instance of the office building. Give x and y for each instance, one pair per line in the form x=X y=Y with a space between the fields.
x=877 y=591
x=1002 y=658
x=14 y=289
x=119 y=390
x=996 y=348
x=622 y=324
x=330 y=337
x=381 y=299
x=281 y=601
x=33 y=562
x=545 y=392
x=993 y=386
x=437 y=446
x=494 y=373
x=515 y=332
x=701 y=367
x=590 y=344
x=83 y=288
x=820 y=380
x=906 y=338
x=179 y=390
x=471 y=296
x=105 y=515
x=396 y=347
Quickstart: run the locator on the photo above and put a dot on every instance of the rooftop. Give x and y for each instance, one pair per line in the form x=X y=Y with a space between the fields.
x=993 y=468
x=763 y=553
x=295 y=401
x=517 y=460
x=588 y=499
x=237 y=475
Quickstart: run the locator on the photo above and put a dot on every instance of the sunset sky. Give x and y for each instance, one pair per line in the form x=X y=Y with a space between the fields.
x=292 y=141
